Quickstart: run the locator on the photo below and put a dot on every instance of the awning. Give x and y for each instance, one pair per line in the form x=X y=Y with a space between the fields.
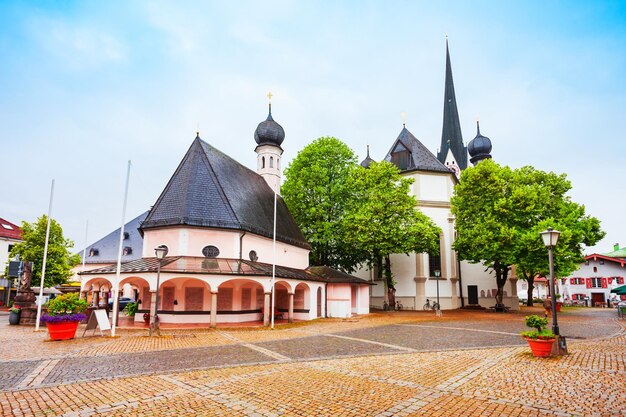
x=619 y=290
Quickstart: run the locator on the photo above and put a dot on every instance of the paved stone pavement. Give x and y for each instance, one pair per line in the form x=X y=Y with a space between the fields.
x=408 y=363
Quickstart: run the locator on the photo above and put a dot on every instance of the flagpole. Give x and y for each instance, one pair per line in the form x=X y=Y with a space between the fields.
x=119 y=258
x=45 y=258
x=85 y=247
x=272 y=307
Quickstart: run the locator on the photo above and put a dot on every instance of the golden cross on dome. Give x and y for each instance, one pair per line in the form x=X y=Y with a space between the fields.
x=269 y=96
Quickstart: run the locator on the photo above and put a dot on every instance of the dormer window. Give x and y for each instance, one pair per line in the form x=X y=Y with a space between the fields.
x=126 y=235
x=127 y=250
x=400 y=157
x=93 y=252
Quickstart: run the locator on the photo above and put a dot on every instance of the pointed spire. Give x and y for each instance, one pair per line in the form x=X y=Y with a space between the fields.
x=477 y=127
x=269 y=97
x=451 y=137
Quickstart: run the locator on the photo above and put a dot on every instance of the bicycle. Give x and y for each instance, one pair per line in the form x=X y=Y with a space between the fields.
x=429 y=306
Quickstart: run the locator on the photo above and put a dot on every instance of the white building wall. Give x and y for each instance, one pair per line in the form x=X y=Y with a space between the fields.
x=595 y=268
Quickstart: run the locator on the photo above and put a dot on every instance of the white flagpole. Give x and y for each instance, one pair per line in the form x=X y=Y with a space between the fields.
x=45 y=258
x=119 y=257
x=85 y=247
x=274 y=266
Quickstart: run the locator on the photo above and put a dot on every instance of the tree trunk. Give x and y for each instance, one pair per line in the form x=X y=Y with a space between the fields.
x=502 y=272
x=531 y=288
x=391 y=289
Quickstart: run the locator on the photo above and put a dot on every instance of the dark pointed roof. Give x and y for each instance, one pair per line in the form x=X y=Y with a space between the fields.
x=451 y=137
x=420 y=157
x=210 y=189
x=106 y=249
x=268 y=132
x=479 y=148
x=367 y=161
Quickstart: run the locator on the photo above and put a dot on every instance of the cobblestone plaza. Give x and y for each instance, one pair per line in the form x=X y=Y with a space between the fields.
x=408 y=363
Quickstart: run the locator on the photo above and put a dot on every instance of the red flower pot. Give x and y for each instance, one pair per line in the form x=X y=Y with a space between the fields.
x=541 y=348
x=62 y=331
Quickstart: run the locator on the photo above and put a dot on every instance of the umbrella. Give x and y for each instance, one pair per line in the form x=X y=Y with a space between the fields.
x=49 y=290
x=619 y=290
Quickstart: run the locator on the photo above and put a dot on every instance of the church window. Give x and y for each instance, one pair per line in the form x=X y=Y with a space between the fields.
x=434 y=262
x=262 y=162
x=271 y=162
x=210 y=251
x=277 y=163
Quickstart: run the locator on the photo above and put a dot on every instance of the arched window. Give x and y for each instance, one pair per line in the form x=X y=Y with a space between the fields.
x=262 y=162
x=434 y=262
x=277 y=163
x=271 y=162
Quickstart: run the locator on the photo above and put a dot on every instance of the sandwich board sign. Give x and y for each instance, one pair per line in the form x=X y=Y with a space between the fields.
x=98 y=318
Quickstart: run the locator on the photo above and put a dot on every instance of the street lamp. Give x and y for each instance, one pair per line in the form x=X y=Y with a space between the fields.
x=160 y=252
x=437 y=275
x=550 y=237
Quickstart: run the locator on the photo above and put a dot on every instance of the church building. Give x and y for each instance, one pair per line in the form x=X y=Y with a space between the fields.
x=226 y=232
x=423 y=278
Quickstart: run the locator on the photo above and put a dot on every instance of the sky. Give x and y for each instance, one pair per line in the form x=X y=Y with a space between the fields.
x=86 y=86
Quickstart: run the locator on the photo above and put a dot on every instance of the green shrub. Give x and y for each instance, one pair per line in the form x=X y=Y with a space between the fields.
x=131 y=309
x=539 y=325
x=66 y=304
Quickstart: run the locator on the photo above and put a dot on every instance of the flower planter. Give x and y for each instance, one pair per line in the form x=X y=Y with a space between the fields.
x=63 y=330
x=541 y=348
x=558 y=306
x=14 y=318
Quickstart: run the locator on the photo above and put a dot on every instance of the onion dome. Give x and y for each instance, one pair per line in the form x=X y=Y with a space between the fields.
x=367 y=161
x=269 y=132
x=479 y=148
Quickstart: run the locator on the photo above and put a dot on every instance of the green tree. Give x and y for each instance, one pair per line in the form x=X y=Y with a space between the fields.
x=562 y=214
x=316 y=192
x=383 y=219
x=59 y=261
x=500 y=212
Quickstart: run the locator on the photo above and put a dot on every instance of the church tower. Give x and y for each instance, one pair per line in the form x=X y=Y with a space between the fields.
x=269 y=135
x=452 y=151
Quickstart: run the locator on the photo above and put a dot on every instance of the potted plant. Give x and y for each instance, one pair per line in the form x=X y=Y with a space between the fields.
x=131 y=309
x=559 y=303
x=539 y=339
x=64 y=314
x=14 y=315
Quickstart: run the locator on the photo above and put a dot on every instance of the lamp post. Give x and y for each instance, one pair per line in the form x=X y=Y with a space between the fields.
x=160 y=252
x=437 y=275
x=550 y=237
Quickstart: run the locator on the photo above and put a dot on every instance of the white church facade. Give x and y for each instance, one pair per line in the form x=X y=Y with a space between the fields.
x=421 y=277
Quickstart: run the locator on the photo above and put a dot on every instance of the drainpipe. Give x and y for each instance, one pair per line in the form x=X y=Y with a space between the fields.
x=458 y=261
x=326 y=300
x=241 y=246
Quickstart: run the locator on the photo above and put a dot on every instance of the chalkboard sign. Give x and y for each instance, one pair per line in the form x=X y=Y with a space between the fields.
x=98 y=319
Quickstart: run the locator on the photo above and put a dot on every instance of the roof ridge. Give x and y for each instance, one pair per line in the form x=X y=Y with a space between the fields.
x=217 y=179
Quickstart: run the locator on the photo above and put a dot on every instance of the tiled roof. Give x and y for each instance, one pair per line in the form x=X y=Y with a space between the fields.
x=9 y=230
x=107 y=248
x=619 y=253
x=332 y=275
x=223 y=266
x=421 y=158
x=210 y=189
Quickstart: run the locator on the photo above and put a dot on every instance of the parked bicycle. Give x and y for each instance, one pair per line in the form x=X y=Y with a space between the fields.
x=429 y=306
